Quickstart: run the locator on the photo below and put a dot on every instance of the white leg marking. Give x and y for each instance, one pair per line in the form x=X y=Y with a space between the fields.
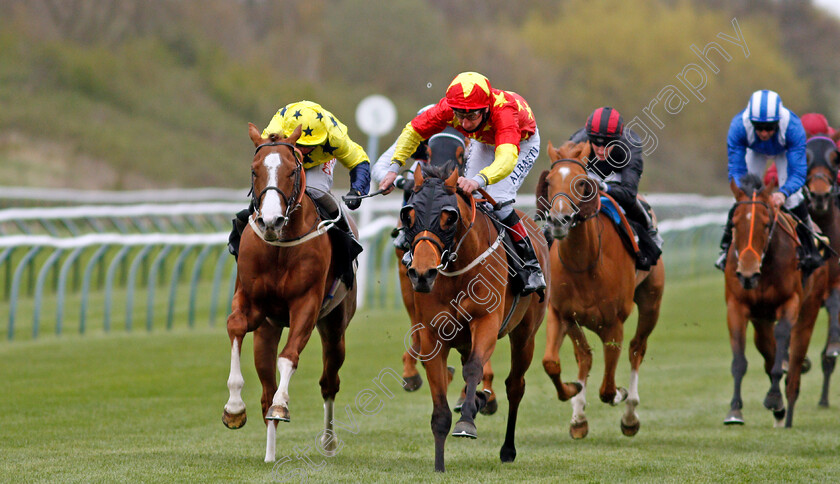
x=578 y=405
x=329 y=406
x=271 y=205
x=284 y=365
x=630 y=416
x=271 y=441
x=235 y=405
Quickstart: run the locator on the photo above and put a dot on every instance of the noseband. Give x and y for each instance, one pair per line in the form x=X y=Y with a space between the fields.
x=297 y=190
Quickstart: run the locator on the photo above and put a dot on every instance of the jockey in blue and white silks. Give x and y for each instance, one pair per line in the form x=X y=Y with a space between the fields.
x=768 y=131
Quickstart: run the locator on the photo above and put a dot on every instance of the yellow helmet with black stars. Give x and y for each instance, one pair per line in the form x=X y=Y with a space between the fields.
x=310 y=117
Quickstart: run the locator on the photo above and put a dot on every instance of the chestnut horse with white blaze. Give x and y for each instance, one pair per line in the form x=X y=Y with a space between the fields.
x=465 y=302
x=764 y=285
x=286 y=278
x=594 y=284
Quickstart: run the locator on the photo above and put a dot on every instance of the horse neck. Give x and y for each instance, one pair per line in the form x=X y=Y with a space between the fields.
x=779 y=250
x=827 y=221
x=583 y=243
x=471 y=239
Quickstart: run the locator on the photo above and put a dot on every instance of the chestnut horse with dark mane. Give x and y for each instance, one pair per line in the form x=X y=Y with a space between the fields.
x=444 y=149
x=764 y=285
x=464 y=301
x=286 y=279
x=822 y=194
x=594 y=284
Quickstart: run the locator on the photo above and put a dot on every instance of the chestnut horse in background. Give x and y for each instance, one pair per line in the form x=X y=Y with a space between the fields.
x=821 y=192
x=594 y=283
x=443 y=150
x=464 y=302
x=285 y=278
x=764 y=285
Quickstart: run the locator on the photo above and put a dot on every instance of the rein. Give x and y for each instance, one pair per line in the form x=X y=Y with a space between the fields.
x=773 y=223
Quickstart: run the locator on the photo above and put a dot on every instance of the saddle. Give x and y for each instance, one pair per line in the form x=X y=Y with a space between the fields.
x=636 y=238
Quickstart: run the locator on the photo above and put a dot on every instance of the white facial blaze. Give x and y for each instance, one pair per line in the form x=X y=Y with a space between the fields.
x=271 y=205
x=564 y=171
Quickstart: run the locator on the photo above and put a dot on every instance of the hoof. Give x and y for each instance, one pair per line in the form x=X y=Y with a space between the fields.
x=823 y=403
x=234 y=422
x=413 y=383
x=465 y=429
x=832 y=350
x=579 y=430
x=508 y=454
x=734 y=418
x=620 y=396
x=806 y=365
x=630 y=430
x=491 y=407
x=774 y=403
x=278 y=412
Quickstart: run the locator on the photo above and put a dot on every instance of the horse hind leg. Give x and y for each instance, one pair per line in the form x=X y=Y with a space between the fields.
x=333 y=345
x=612 y=338
x=832 y=305
x=521 y=354
x=774 y=401
x=579 y=426
x=492 y=405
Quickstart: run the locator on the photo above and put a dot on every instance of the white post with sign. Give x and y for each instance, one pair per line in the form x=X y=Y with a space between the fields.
x=376 y=116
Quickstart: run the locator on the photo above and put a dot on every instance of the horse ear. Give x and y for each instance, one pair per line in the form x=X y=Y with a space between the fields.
x=736 y=190
x=295 y=134
x=542 y=193
x=452 y=180
x=836 y=136
x=770 y=187
x=254 y=133
x=418 y=177
x=552 y=152
x=585 y=151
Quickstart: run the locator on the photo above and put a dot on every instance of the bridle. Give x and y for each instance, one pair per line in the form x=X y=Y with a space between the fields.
x=754 y=203
x=577 y=218
x=298 y=185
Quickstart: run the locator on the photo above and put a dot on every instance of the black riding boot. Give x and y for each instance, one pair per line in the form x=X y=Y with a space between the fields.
x=239 y=223
x=725 y=241
x=535 y=281
x=810 y=258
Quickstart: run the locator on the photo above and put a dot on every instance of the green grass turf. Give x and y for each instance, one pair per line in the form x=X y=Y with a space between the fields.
x=146 y=408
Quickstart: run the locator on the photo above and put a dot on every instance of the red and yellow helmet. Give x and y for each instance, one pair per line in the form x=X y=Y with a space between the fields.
x=468 y=91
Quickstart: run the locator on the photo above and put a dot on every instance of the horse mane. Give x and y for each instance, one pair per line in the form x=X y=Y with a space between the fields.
x=572 y=150
x=437 y=171
x=751 y=184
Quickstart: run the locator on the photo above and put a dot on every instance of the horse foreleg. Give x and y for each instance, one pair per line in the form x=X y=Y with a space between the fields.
x=483 y=344
x=579 y=426
x=412 y=378
x=773 y=401
x=521 y=354
x=736 y=321
x=434 y=358
x=266 y=338
x=301 y=323
x=333 y=351
x=832 y=305
x=555 y=332
x=800 y=337
x=234 y=415
x=612 y=337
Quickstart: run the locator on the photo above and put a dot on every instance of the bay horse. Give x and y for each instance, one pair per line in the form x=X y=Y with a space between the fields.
x=764 y=285
x=286 y=278
x=462 y=300
x=594 y=284
x=822 y=193
x=444 y=149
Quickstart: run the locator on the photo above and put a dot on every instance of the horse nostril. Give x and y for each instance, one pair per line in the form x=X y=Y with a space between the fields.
x=279 y=222
x=261 y=223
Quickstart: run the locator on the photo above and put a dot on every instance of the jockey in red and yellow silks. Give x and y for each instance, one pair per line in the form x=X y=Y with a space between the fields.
x=506 y=145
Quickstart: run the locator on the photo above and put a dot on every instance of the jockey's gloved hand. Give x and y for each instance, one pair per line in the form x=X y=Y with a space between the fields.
x=353 y=203
x=604 y=187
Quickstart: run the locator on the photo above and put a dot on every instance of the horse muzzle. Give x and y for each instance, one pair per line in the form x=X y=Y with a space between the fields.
x=422 y=282
x=271 y=226
x=748 y=281
x=560 y=226
x=820 y=202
